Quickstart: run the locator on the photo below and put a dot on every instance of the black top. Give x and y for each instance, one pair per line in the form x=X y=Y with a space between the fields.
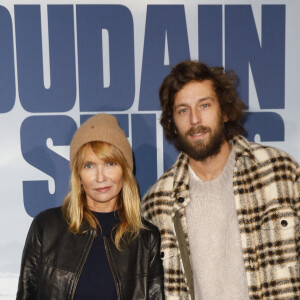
x=96 y=280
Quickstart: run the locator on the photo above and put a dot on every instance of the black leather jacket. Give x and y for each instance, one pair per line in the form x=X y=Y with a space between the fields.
x=53 y=258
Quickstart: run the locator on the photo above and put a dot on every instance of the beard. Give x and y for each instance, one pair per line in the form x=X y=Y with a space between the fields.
x=199 y=150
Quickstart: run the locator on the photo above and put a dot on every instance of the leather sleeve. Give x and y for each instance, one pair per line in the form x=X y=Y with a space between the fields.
x=156 y=279
x=28 y=280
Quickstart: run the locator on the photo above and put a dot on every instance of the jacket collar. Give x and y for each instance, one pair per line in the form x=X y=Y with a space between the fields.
x=181 y=182
x=242 y=147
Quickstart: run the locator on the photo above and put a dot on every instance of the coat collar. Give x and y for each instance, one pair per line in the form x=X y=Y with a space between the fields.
x=181 y=193
x=242 y=147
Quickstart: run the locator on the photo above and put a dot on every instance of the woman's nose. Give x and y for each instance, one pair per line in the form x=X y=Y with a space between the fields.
x=100 y=176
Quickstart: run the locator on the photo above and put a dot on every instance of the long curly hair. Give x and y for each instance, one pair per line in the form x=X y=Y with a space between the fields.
x=224 y=84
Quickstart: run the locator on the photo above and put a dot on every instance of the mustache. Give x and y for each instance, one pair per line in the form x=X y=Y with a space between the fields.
x=197 y=129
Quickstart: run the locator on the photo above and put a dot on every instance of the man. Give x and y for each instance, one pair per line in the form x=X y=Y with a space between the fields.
x=228 y=209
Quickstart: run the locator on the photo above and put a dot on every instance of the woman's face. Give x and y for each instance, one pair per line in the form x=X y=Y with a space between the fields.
x=102 y=182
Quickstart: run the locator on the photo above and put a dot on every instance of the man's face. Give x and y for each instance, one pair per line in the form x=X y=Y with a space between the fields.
x=198 y=120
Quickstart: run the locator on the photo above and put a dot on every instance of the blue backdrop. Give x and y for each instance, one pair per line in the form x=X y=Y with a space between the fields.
x=60 y=64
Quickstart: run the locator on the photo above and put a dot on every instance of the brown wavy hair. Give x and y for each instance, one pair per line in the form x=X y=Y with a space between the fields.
x=224 y=84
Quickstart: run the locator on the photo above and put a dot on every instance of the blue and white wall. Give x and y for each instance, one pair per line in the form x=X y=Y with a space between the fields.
x=63 y=61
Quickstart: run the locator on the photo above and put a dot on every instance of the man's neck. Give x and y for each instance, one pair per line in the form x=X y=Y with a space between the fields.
x=213 y=166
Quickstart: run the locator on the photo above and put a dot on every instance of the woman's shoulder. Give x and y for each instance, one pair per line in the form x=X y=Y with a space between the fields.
x=51 y=216
x=48 y=222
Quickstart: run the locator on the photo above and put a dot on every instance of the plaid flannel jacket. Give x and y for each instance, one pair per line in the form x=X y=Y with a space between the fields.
x=266 y=185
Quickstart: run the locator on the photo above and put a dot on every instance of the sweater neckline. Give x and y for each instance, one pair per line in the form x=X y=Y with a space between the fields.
x=226 y=173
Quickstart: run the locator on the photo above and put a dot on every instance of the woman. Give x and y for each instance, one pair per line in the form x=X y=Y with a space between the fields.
x=96 y=246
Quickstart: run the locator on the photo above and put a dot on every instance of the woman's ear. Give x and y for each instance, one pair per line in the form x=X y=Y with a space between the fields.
x=82 y=188
x=225 y=118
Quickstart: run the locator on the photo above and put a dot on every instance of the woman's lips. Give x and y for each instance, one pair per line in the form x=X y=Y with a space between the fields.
x=103 y=189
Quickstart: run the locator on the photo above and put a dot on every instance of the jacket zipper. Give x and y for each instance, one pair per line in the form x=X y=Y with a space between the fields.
x=81 y=267
x=108 y=258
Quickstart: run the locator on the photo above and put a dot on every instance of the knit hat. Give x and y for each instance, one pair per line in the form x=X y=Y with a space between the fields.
x=102 y=128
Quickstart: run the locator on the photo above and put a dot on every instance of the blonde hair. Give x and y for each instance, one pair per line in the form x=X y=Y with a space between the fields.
x=75 y=209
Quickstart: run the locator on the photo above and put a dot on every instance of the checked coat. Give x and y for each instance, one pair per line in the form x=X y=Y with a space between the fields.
x=266 y=183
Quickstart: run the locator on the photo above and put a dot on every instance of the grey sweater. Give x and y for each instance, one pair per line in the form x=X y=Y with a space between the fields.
x=215 y=241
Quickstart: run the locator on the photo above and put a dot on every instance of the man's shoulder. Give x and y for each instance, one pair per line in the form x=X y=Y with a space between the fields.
x=165 y=184
x=159 y=200
x=264 y=155
x=269 y=153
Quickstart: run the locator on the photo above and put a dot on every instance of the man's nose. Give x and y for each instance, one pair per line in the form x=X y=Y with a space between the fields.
x=195 y=117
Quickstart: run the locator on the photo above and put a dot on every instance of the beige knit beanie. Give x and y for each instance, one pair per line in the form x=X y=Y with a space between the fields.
x=102 y=128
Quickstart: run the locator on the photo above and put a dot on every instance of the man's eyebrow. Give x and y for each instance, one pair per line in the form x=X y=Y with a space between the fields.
x=199 y=100
x=205 y=98
x=181 y=104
